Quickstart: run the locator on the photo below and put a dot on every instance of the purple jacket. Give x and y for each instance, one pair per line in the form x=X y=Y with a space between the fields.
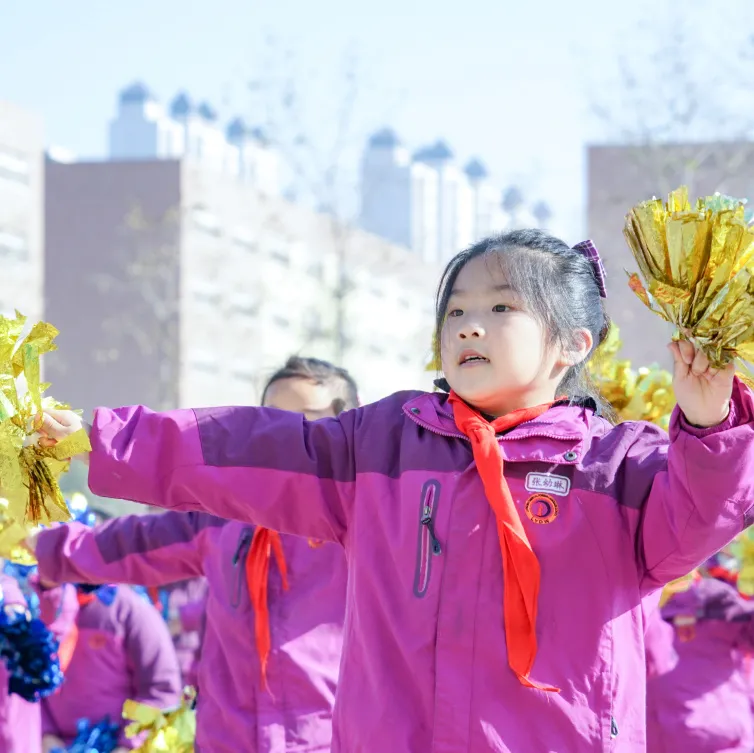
x=123 y=651
x=613 y=513
x=306 y=622
x=20 y=725
x=700 y=704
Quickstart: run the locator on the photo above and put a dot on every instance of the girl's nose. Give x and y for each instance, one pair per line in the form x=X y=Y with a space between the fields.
x=471 y=330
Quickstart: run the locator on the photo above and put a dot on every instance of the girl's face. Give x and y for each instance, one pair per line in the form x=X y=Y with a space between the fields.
x=299 y=395
x=494 y=352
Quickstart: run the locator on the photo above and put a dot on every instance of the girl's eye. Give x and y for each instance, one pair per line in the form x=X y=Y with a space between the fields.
x=455 y=312
x=501 y=308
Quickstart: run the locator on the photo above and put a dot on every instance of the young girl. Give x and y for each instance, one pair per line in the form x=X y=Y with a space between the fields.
x=500 y=539
x=274 y=615
x=122 y=651
x=699 y=701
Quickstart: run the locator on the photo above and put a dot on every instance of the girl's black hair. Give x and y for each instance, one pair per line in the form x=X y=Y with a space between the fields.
x=558 y=286
x=319 y=372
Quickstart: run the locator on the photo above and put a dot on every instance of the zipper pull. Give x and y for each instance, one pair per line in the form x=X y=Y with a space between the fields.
x=427 y=521
x=613 y=727
x=245 y=536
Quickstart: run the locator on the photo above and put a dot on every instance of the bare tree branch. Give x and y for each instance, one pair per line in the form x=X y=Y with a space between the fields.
x=322 y=173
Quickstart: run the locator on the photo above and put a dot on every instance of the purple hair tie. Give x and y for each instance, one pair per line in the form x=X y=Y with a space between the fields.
x=589 y=251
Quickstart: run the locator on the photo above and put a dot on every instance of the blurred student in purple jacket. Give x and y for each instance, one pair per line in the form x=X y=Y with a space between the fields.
x=122 y=651
x=273 y=622
x=698 y=701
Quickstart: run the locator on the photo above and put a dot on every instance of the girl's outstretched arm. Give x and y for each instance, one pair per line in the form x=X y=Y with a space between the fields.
x=256 y=465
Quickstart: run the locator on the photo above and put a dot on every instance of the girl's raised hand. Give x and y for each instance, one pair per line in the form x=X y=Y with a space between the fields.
x=702 y=393
x=57 y=425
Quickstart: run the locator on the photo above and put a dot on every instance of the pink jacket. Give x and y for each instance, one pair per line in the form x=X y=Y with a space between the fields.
x=613 y=513
x=306 y=622
x=20 y=725
x=123 y=651
x=700 y=703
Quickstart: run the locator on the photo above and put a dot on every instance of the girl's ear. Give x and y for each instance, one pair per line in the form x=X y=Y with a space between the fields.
x=581 y=347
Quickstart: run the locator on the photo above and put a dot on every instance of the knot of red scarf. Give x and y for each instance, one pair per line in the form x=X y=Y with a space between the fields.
x=521 y=573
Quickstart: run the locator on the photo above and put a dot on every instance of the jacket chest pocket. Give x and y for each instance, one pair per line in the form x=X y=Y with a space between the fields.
x=428 y=545
x=237 y=583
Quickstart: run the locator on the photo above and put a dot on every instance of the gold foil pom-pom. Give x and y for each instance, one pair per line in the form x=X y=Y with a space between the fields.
x=644 y=394
x=13 y=535
x=28 y=472
x=163 y=731
x=696 y=268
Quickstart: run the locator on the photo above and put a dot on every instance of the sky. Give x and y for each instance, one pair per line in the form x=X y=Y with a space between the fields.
x=514 y=84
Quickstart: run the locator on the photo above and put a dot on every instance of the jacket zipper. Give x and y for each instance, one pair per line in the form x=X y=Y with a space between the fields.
x=613 y=727
x=244 y=542
x=429 y=545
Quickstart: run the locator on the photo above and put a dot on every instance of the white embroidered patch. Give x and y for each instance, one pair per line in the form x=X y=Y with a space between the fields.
x=548 y=482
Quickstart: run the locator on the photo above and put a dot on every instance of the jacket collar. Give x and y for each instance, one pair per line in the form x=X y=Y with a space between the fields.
x=557 y=436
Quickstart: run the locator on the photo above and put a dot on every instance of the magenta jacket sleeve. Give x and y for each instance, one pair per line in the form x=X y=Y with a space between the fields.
x=216 y=459
x=694 y=496
x=152 y=660
x=149 y=550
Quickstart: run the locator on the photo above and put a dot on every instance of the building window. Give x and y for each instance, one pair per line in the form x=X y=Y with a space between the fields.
x=206 y=295
x=244 y=376
x=280 y=255
x=316 y=270
x=14 y=165
x=206 y=222
x=280 y=321
x=13 y=246
x=205 y=363
x=244 y=241
x=243 y=304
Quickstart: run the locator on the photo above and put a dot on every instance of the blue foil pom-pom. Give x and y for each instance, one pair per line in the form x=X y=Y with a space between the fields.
x=30 y=654
x=93 y=738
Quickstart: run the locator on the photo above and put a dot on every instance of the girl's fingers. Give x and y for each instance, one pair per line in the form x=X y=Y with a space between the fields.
x=687 y=351
x=59 y=414
x=681 y=368
x=700 y=364
x=51 y=426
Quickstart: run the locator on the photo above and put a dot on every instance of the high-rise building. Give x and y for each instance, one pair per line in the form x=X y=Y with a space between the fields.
x=21 y=212
x=487 y=213
x=399 y=196
x=143 y=129
x=454 y=206
x=427 y=202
